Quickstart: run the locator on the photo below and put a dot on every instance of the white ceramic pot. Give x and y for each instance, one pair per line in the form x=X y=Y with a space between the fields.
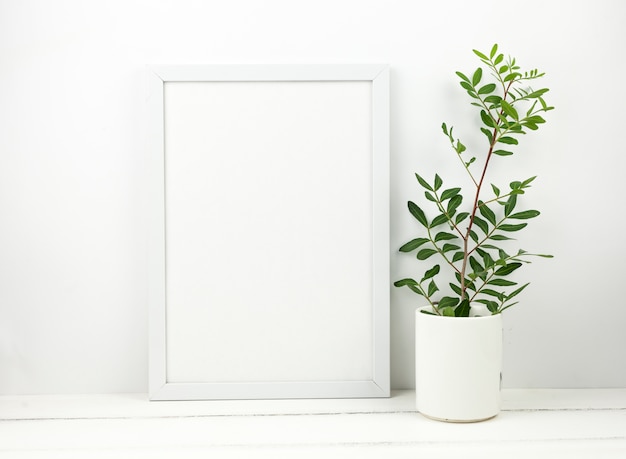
x=458 y=364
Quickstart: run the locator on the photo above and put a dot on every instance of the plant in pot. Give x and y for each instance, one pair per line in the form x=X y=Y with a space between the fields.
x=459 y=331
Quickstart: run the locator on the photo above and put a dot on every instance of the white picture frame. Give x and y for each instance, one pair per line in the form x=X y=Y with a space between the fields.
x=269 y=231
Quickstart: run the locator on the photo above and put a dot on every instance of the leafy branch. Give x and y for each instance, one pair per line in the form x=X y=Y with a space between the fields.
x=476 y=263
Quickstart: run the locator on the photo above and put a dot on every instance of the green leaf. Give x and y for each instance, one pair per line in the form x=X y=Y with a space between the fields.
x=538 y=93
x=502 y=153
x=486 y=212
x=425 y=253
x=403 y=282
x=463 y=309
x=487 y=133
x=487 y=291
x=448 y=247
x=507 y=269
x=443 y=236
x=432 y=288
x=487 y=89
x=455 y=288
x=508 y=140
x=492 y=306
x=458 y=256
x=500 y=237
x=418 y=213
x=439 y=220
x=508 y=306
x=460 y=148
x=493 y=99
x=494 y=50
x=447 y=194
x=432 y=272
x=480 y=251
x=430 y=196
x=438 y=182
x=489 y=246
x=482 y=224
x=487 y=119
x=512 y=76
x=461 y=216
x=476 y=266
x=463 y=77
x=517 y=292
x=411 y=284
x=478 y=74
x=447 y=312
x=511 y=228
x=447 y=302
x=510 y=205
x=454 y=203
x=474 y=236
x=510 y=110
x=535 y=119
x=544 y=106
x=495 y=189
x=525 y=214
x=487 y=259
x=479 y=54
x=467 y=86
x=423 y=182
x=414 y=244
x=502 y=282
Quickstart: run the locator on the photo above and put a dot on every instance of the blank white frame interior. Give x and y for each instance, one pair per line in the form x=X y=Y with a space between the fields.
x=269 y=231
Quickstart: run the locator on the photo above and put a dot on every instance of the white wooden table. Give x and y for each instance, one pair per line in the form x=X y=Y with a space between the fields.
x=533 y=424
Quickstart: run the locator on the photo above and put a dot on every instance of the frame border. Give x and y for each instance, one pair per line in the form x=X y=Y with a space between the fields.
x=379 y=386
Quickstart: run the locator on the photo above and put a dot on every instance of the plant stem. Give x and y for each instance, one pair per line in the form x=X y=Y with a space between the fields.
x=494 y=140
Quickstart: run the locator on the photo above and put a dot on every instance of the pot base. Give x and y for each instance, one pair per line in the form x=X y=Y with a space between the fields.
x=457 y=421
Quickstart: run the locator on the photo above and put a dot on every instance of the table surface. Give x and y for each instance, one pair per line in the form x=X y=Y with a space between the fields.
x=572 y=423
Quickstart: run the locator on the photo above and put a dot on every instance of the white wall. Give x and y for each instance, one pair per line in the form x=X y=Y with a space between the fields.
x=73 y=312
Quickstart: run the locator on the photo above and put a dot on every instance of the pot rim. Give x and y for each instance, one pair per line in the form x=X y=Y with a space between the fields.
x=435 y=317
